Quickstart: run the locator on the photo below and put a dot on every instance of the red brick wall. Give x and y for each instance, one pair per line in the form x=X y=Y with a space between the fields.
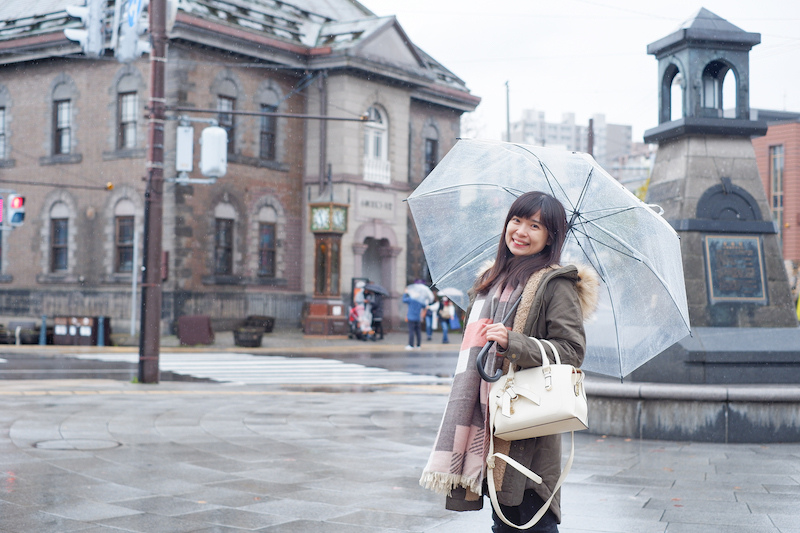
x=787 y=135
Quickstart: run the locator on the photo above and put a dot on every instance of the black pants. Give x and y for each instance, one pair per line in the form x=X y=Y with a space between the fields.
x=531 y=503
x=414 y=333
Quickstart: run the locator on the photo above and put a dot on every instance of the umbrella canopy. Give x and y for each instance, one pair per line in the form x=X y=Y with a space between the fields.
x=377 y=289
x=459 y=210
x=420 y=293
x=452 y=293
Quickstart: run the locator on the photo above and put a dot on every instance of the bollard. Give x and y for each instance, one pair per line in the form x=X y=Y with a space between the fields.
x=101 y=338
x=43 y=331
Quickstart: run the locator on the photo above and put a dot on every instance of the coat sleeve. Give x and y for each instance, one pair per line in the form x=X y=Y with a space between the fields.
x=560 y=322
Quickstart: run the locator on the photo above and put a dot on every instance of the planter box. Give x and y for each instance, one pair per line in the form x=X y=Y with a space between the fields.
x=248 y=337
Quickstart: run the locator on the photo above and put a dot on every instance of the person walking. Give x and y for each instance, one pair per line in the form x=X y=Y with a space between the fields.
x=431 y=314
x=554 y=301
x=376 y=304
x=414 y=316
x=445 y=312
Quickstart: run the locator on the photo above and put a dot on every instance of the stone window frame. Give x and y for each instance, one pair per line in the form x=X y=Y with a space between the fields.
x=127 y=79
x=69 y=275
x=225 y=205
x=269 y=94
x=110 y=213
x=267 y=202
x=227 y=84
x=62 y=88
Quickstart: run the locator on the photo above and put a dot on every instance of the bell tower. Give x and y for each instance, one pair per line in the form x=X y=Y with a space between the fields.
x=693 y=63
x=706 y=179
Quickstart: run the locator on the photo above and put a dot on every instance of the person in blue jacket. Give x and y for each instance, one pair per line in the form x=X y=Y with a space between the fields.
x=414 y=317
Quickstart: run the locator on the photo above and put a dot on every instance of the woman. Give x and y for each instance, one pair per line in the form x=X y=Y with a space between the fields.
x=445 y=312
x=554 y=301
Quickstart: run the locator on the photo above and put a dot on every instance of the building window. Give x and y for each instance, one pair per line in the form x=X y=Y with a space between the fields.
x=226 y=121
x=124 y=244
x=376 y=148
x=776 y=184
x=431 y=155
x=62 y=127
x=326 y=265
x=223 y=247
x=58 y=244
x=266 y=250
x=2 y=132
x=126 y=128
x=268 y=131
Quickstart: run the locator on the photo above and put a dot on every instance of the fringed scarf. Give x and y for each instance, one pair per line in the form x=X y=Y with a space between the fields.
x=459 y=455
x=458 y=459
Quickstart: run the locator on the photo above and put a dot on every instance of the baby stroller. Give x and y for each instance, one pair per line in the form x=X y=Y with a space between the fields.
x=360 y=323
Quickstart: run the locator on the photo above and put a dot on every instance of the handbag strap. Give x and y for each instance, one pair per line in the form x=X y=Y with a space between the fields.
x=530 y=475
x=552 y=346
x=518 y=466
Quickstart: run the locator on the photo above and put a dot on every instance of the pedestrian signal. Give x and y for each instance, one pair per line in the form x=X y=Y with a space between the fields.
x=16 y=210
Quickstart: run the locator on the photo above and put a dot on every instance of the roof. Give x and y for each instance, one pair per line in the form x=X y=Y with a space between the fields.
x=343 y=27
x=705 y=27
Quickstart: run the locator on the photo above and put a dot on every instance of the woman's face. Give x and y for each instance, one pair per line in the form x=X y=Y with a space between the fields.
x=526 y=235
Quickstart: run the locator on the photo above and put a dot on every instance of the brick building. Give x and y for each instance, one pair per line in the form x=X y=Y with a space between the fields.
x=69 y=124
x=778 y=157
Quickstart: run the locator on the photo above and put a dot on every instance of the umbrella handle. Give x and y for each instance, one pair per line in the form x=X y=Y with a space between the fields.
x=480 y=362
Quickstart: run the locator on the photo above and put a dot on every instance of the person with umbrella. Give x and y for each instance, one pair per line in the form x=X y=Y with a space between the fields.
x=524 y=293
x=417 y=296
x=445 y=313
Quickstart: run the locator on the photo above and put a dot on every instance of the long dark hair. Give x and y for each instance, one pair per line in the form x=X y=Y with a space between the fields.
x=513 y=270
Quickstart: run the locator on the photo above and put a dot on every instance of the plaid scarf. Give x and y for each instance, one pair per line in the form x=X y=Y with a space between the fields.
x=459 y=455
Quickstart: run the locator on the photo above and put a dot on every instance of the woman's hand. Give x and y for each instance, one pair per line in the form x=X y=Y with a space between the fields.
x=497 y=333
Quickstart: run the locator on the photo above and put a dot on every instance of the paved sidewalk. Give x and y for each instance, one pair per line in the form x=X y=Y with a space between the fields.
x=103 y=456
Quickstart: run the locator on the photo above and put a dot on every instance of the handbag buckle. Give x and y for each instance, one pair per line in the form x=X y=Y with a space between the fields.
x=548 y=379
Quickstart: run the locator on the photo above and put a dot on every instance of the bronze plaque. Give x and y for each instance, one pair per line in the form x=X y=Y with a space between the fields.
x=734 y=269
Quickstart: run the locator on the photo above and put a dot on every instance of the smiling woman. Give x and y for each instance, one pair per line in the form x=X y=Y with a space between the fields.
x=526 y=235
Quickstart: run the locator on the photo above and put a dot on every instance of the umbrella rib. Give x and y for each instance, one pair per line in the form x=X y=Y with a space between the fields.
x=467 y=254
x=594 y=239
x=510 y=190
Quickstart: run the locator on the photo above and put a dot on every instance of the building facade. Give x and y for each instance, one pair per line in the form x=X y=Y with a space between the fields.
x=70 y=124
x=609 y=142
x=778 y=157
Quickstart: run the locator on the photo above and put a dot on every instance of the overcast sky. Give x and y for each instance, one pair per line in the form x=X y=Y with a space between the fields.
x=587 y=56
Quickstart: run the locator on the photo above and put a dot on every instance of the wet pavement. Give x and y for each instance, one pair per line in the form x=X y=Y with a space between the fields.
x=96 y=455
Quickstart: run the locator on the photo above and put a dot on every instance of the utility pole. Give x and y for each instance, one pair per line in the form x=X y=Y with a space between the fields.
x=150 y=330
x=508 y=115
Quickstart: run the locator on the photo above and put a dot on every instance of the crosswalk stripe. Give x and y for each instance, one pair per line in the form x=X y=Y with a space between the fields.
x=249 y=369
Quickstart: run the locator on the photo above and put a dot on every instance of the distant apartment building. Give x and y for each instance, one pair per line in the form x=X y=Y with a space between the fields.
x=609 y=141
x=633 y=169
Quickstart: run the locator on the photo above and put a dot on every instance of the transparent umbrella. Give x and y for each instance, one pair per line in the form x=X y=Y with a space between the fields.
x=459 y=210
x=420 y=293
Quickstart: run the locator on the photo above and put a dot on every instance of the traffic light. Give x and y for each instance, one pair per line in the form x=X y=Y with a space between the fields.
x=16 y=210
x=132 y=25
x=92 y=37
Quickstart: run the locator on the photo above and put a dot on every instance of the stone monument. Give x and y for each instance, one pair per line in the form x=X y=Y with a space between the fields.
x=744 y=326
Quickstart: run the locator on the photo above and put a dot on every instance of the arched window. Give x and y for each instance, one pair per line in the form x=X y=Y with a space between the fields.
x=226 y=102
x=711 y=91
x=224 y=222
x=430 y=136
x=267 y=247
x=676 y=97
x=268 y=100
x=376 y=147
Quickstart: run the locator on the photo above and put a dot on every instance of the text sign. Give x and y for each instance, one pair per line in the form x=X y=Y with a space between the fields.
x=734 y=269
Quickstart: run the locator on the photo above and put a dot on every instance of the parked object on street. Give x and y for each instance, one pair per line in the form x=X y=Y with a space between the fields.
x=80 y=330
x=194 y=330
x=642 y=309
x=251 y=332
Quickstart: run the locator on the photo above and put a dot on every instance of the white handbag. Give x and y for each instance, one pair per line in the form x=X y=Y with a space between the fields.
x=535 y=402
x=539 y=401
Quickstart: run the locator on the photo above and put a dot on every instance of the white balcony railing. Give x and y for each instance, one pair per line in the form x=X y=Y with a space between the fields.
x=377 y=171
